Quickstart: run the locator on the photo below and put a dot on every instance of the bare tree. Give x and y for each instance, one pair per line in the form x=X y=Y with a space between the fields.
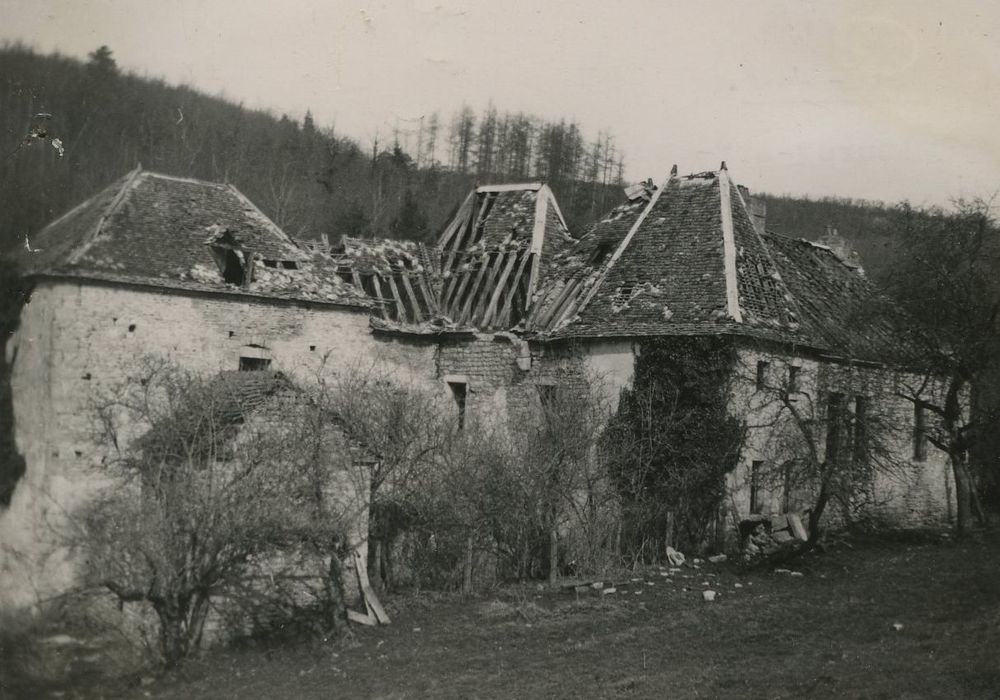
x=205 y=483
x=830 y=434
x=944 y=276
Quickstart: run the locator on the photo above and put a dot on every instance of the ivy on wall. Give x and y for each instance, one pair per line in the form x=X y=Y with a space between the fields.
x=13 y=296
x=672 y=442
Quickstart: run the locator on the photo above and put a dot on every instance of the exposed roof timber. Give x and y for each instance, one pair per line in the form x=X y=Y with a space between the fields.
x=512 y=187
x=729 y=246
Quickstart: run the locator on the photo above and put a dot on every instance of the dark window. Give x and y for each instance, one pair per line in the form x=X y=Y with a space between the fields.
x=860 y=430
x=762 y=368
x=793 y=378
x=755 y=478
x=834 y=426
x=623 y=295
x=254 y=364
x=919 y=433
x=547 y=394
x=459 y=390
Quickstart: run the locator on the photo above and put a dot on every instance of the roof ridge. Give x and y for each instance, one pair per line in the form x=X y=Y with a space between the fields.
x=113 y=206
x=729 y=245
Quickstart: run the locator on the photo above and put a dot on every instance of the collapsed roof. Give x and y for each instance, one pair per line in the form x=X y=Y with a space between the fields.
x=168 y=232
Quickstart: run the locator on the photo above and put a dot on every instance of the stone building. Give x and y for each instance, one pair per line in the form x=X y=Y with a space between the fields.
x=507 y=304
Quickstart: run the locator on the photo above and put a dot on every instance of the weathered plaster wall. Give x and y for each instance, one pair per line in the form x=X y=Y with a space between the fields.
x=76 y=340
x=905 y=492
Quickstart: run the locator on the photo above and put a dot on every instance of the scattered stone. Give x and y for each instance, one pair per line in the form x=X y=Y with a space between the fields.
x=737 y=585
x=782 y=571
x=633 y=580
x=664 y=573
x=638 y=592
x=709 y=596
x=696 y=561
x=674 y=557
x=718 y=558
x=59 y=640
x=597 y=585
x=797 y=573
x=674 y=571
x=416 y=629
x=783 y=537
x=897 y=626
x=650 y=583
x=609 y=590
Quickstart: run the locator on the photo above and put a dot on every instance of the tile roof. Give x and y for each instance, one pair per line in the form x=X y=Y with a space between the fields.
x=688 y=260
x=177 y=233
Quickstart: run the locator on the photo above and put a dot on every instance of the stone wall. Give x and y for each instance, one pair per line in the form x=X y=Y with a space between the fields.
x=904 y=491
x=77 y=340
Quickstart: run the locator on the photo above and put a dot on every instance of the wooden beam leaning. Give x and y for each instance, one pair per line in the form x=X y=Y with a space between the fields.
x=547 y=314
x=504 y=317
x=491 y=309
x=432 y=305
x=381 y=298
x=400 y=308
x=480 y=307
x=470 y=297
x=417 y=315
x=454 y=302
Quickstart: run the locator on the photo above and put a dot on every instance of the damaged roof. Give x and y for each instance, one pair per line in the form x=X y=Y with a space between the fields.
x=687 y=259
x=178 y=233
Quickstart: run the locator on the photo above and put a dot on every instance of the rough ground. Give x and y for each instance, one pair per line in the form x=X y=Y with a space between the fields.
x=909 y=618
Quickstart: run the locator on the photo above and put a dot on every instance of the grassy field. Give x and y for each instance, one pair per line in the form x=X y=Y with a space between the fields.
x=909 y=618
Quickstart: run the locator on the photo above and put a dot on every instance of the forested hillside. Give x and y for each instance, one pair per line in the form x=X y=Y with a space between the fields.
x=68 y=128
x=868 y=226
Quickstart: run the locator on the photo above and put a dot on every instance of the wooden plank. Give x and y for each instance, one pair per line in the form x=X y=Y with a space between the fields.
x=368 y=619
x=381 y=298
x=491 y=309
x=494 y=271
x=453 y=302
x=371 y=600
x=400 y=308
x=417 y=315
x=547 y=314
x=463 y=211
x=471 y=296
x=504 y=318
x=432 y=305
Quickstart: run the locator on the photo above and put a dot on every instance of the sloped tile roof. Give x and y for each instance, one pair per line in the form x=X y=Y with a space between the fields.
x=689 y=261
x=157 y=230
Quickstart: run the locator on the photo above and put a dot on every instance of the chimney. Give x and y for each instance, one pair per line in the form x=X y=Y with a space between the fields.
x=758 y=210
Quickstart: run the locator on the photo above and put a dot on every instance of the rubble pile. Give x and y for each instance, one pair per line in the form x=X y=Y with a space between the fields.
x=764 y=535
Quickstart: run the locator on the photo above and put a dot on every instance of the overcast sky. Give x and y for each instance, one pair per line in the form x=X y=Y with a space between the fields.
x=881 y=100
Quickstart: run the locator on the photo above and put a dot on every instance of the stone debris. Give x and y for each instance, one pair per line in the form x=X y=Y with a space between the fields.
x=674 y=557
x=737 y=585
x=782 y=571
x=709 y=596
x=717 y=559
x=597 y=585
x=898 y=626
x=797 y=573
x=609 y=590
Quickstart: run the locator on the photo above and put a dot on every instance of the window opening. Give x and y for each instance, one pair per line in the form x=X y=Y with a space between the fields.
x=756 y=469
x=254 y=364
x=762 y=368
x=459 y=391
x=919 y=433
